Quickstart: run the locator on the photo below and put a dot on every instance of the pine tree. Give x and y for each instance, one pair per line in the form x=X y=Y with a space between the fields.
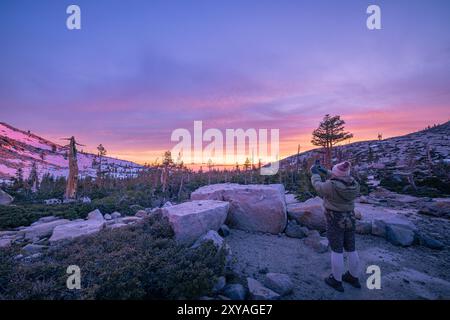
x=329 y=133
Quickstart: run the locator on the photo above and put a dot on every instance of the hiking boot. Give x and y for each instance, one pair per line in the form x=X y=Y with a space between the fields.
x=347 y=277
x=332 y=282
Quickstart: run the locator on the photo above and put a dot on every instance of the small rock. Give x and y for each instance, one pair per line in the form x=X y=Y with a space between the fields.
x=167 y=204
x=5 y=242
x=141 y=214
x=437 y=208
x=235 y=291
x=130 y=219
x=363 y=227
x=431 y=243
x=224 y=231
x=107 y=216
x=279 y=282
x=399 y=236
x=259 y=292
x=217 y=240
x=115 y=215
x=293 y=230
x=95 y=215
x=85 y=199
x=318 y=243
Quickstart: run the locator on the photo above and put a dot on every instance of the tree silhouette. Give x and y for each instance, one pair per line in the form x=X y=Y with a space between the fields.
x=329 y=133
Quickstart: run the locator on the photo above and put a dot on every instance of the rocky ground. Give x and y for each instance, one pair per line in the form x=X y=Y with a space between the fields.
x=408 y=271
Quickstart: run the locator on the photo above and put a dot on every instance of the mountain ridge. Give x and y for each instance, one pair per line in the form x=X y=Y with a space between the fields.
x=20 y=149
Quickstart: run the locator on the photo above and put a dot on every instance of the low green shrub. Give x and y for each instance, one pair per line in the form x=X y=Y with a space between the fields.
x=141 y=261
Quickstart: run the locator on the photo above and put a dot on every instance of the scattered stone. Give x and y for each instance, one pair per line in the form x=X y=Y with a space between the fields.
x=379 y=225
x=41 y=230
x=115 y=215
x=279 y=282
x=293 y=230
x=235 y=291
x=107 y=216
x=399 y=236
x=431 y=243
x=256 y=208
x=317 y=242
x=73 y=230
x=85 y=199
x=259 y=292
x=436 y=208
x=211 y=235
x=363 y=227
x=130 y=219
x=192 y=219
x=224 y=231
x=5 y=242
x=167 y=204
x=310 y=213
x=95 y=215
x=141 y=214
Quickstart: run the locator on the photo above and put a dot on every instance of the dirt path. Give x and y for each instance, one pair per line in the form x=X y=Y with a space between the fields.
x=406 y=273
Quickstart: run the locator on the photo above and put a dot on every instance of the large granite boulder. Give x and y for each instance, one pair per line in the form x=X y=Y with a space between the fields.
x=190 y=220
x=41 y=229
x=310 y=213
x=5 y=198
x=252 y=207
x=77 y=229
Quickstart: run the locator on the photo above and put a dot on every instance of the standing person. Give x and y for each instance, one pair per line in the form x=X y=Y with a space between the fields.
x=339 y=193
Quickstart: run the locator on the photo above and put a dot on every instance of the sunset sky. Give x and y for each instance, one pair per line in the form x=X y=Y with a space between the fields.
x=137 y=70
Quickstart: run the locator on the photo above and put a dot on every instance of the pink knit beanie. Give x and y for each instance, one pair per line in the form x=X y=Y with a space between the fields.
x=341 y=169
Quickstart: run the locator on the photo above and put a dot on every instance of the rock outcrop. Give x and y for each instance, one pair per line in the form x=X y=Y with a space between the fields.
x=5 y=198
x=310 y=213
x=75 y=229
x=190 y=220
x=279 y=282
x=41 y=230
x=260 y=208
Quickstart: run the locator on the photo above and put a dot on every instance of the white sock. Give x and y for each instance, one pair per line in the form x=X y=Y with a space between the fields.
x=353 y=263
x=337 y=265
